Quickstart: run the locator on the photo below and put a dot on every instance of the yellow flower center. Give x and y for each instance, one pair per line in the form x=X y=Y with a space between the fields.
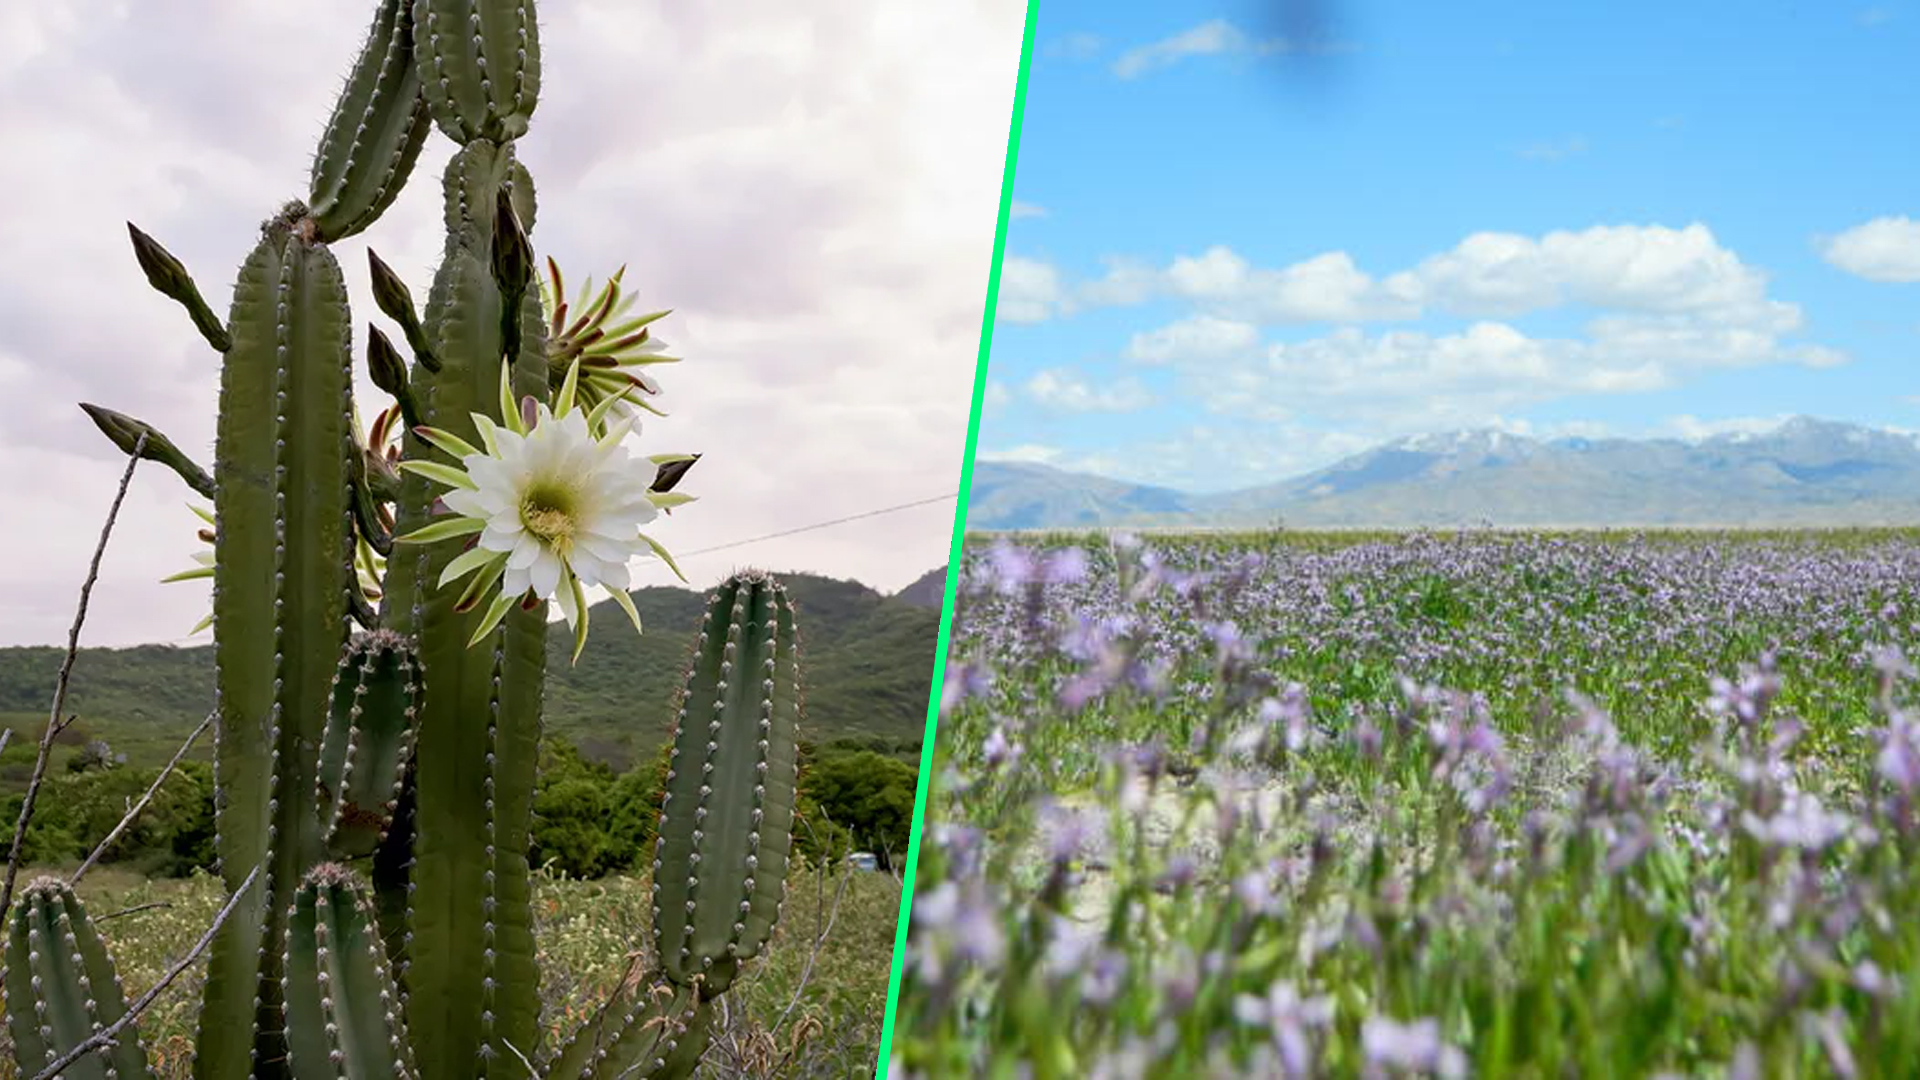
x=548 y=514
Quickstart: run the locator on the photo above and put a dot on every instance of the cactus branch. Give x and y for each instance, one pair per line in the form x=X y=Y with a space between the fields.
x=107 y=1034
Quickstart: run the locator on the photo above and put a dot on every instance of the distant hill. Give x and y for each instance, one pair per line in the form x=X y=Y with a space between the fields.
x=1805 y=472
x=929 y=590
x=1009 y=495
x=868 y=669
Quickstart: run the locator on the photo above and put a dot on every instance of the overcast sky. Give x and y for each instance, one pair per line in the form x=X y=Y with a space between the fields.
x=1249 y=245
x=812 y=187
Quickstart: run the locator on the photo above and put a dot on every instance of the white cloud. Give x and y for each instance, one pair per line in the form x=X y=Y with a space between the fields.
x=1216 y=37
x=1694 y=429
x=1030 y=291
x=1026 y=210
x=1198 y=338
x=996 y=396
x=1075 y=46
x=1555 y=149
x=1025 y=454
x=1647 y=268
x=1069 y=391
x=1651 y=269
x=1884 y=249
x=1405 y=381
x=1221 y=456
x=813 y=191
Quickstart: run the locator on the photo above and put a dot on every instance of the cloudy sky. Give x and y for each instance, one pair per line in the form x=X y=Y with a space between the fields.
x=811 y=187
x=1253 y=236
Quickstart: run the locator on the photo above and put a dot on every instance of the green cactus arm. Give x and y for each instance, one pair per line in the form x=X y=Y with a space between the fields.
x=470 y=906
x=169 y=277
x=284 y=544
x=480 y=63
x=368 y=740
x=376 y=131
x=640 y=1031
x=126 y=432
x=343 y=1013
x=61 y=987
x=726 y=820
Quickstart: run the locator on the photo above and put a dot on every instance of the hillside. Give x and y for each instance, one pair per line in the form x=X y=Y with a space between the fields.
x=868 y=668
x=1804 y=472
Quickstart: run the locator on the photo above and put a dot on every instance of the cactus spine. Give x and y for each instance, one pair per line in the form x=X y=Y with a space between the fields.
x=382 y=781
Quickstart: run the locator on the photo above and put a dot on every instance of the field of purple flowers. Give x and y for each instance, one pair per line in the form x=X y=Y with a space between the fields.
x=1488 y=805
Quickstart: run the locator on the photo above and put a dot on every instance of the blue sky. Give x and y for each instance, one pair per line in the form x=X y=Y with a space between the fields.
x=1247 y=242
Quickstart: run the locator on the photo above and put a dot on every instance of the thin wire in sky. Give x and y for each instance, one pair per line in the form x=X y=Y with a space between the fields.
x=820 y=525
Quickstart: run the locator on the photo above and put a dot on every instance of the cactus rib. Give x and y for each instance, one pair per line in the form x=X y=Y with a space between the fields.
x=368 y=741
x=343 y=1014
x=282 y=553
x=376 y=131
x=480 y=64
x=726 y=821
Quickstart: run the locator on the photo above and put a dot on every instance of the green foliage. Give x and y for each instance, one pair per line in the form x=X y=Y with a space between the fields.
x=870 y=795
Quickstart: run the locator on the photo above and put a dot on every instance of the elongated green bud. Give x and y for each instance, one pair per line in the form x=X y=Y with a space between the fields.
x=377 y=129
x=343 y=1014
x=512 y=251
x=480 y=63
x=641 y=1031
x=389 y=373
x=393 y=297
x=166 y=274
x=369 y=738
x=125 y=432
x=61 y=988
x=726 y=820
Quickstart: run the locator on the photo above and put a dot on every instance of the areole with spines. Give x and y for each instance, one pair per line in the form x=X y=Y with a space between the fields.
x=383 y=781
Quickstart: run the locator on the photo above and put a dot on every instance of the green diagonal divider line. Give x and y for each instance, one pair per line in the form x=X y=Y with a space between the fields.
x=954 y=551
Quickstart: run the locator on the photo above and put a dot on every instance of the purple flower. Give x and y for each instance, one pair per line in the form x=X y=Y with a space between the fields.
x=1415 y=1047
x=1290 y=1019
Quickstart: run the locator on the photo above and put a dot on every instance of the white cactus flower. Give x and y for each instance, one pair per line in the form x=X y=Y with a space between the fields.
x=555 y=503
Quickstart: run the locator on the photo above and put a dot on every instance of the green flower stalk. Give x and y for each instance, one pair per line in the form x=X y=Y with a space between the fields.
x=555 y=502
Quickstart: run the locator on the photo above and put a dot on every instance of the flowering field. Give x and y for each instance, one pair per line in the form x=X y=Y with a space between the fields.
x=1499 y=805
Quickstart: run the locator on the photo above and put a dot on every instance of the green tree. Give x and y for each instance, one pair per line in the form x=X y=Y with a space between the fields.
x=870 y=795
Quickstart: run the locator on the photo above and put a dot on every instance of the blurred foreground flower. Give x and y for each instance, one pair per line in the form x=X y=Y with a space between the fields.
x=555 y=506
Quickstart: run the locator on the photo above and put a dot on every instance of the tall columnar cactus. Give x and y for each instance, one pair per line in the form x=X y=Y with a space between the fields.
x=381 y=780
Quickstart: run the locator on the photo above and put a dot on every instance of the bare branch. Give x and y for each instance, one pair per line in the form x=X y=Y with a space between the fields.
x=54 y=726
x=106 y=1034
x=142 y=804
x=134 y=910
x=823 y=926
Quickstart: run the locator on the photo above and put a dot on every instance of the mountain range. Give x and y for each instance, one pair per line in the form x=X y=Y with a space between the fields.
x=867 y=670
x=1804 y=472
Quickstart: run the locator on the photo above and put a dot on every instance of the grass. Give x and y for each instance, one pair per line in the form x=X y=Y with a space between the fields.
x=1491 y=803
x=787 y=1019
